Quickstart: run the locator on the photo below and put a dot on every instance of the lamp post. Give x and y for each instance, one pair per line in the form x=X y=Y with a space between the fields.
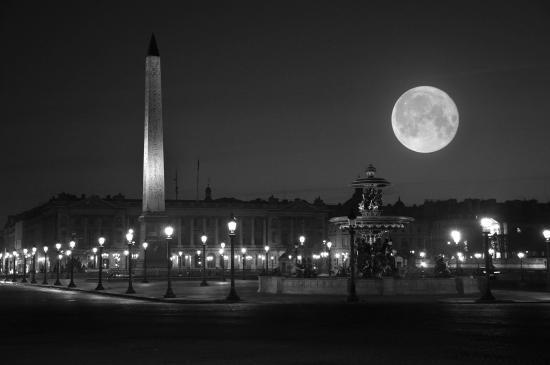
x=477 y=255
x=101 y=241
x=243 y=258
x=72 y=244
x=45 y=281
x=180 y=253
x=232 y=227
x=130 y=240
x=222 y=255
x=94 y=250
x=33 y=272
x=456 y=236
x=15 y=254
x=486 y=224
x=521 y=255
x=329 y=245
x=168 y=232
x=58 y=248
x=352 y=224
x=301 y=239
x=204 y=238
x=144 y=245
x=25 y=252
x=266 y=249
x=546 y=234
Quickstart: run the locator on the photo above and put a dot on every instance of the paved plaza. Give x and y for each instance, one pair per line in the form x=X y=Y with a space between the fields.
x=47 y=325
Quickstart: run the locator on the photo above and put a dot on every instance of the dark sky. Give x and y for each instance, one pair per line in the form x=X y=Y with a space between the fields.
x=292 y=99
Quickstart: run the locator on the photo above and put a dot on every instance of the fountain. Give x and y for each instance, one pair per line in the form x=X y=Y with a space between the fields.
x=376 y=256
x=371 y=231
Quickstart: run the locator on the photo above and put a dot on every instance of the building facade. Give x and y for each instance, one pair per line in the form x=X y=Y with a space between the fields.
x=273 y=222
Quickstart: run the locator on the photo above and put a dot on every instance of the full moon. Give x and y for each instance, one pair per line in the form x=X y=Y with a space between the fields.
x=424 y=119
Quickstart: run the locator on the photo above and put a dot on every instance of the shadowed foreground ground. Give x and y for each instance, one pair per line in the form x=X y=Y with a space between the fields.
x=54 y=326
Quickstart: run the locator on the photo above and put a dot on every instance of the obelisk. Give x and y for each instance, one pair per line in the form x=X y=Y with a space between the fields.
x=153 y=148
x=153 y=218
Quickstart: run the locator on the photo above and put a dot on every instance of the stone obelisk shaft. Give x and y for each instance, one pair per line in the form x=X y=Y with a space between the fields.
x=153 y=149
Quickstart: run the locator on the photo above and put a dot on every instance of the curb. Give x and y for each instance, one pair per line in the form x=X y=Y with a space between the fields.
x=127 y=296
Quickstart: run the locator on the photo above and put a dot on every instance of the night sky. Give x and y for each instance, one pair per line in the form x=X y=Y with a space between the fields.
x=291 y=99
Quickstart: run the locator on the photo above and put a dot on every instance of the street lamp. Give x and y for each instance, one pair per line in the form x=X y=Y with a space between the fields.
x=130 y=240
x=266 y=249
x=94 y=250
x=180 y=253
x=15 y=255
x=477 y=255
x=243 y=258
x=222 y=256
x=45 y=281
x=168 y=232
x=71 y=261
x=204 y=238
x=25 y=251
x=521 y=255
x=33 y=272
x=546 y=234
x=352 y=224
x=232 y=227
x=486 y=225
x=329 y=245
x=101 y=241
x=58 y=248
x=144 y=245
x=456 y=236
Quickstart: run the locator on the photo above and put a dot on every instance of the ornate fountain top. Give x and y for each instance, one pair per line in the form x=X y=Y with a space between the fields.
x=371 y=217
x=370 y=179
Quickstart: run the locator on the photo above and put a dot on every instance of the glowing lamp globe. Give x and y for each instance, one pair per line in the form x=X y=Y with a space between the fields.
x=232 y=226
x=72 y=244
x=456 y=236
x=45 y=248
x=144 y=244
x=58 y=246
x=204 y=238
x=546 y=234
x=101 y=241
x=169 y=231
